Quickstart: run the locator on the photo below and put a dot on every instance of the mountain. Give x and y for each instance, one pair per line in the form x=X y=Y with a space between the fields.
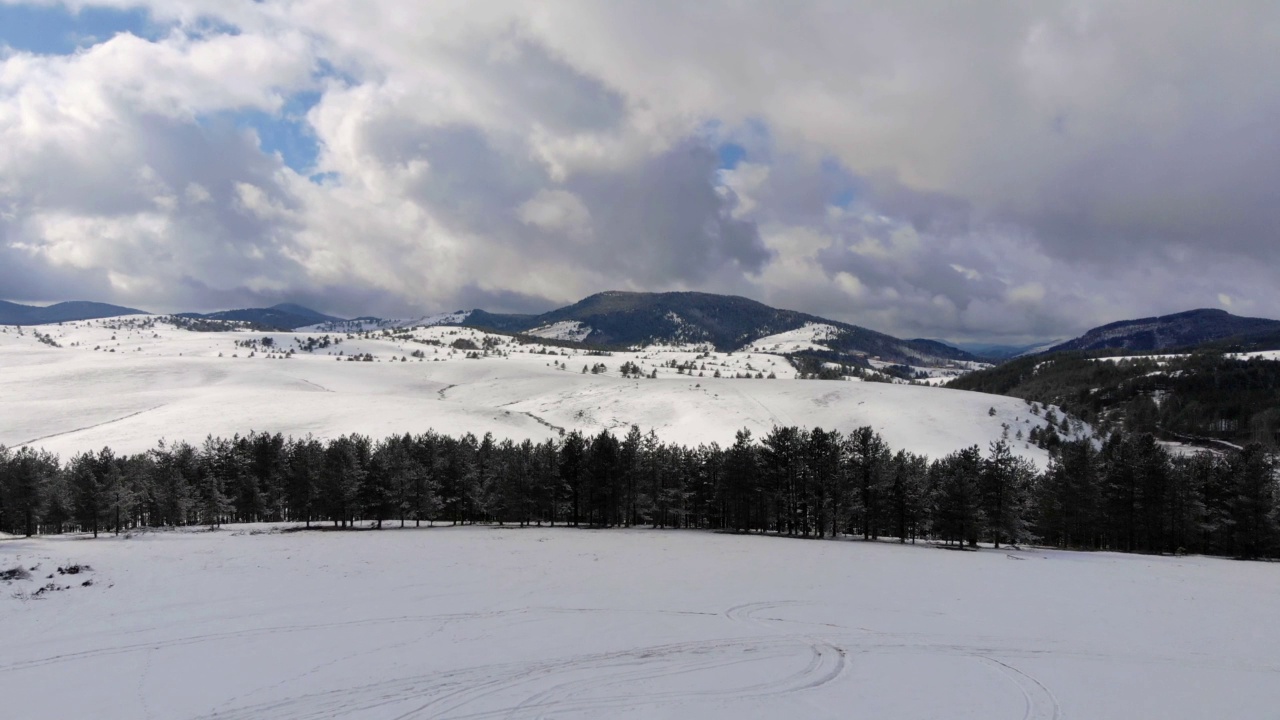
x=285 y=316
x=17 y=314
x=1174 y=332
x=998 y=351
x=724 y=321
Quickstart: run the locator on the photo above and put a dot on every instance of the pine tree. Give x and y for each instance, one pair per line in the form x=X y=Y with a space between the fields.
x=867 y=457
x=629 y=468
x=908 y=494
x=24 y=483
x=343 y=476
x=1005 y=481
x=1252 y=504
x=958 y=509
x=89 y=488
x=1067 y=498
x=218 y=463
x=304 y=464
x=783 y=465
x=742 y=493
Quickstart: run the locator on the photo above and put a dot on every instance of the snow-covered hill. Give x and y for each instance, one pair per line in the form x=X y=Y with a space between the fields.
x=128 y=382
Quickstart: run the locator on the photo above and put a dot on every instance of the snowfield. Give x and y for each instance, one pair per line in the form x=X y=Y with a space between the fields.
x=128 y=382
x=812 y=336
x=563 y=330
x=1165 y=358
x=488 y=622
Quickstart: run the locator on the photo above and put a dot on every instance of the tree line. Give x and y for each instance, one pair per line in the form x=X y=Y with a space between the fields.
x=1127 y=493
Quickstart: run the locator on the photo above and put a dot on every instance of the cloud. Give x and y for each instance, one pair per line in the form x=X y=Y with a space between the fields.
x=1003 y=170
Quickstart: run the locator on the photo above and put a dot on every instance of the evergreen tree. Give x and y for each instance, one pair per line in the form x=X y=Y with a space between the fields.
x=1067 y=499
x=783 y=464
x=741 y=494
x=24 y=480
x=630 y=470
x=958 y=510
x=1252 y=504
x=868 y=456
x=219 y=464
x=88 y=496
x=305 y=461
x=908 y=494
x=342 y=478
x=573 y=469
x=1005 y=481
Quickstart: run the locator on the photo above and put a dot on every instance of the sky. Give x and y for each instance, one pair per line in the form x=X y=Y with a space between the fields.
x=995 y=171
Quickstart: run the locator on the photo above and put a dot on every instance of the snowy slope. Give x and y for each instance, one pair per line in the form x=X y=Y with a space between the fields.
x=127 y=383
x=487 y=622
x=813 y=336
x=1163 y=358
x=563 y=330
x=360 y=325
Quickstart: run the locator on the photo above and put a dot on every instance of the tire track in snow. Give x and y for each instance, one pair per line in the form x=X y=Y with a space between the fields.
x=450 y=693
x=1042 y=704
x=284 y=629
x=825 y=663
x=317 y=386
x=460 y=693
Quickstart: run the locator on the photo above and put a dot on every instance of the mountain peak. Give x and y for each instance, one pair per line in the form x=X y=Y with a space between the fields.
x=1170 y=332
x=19 y=314
x=302 y=311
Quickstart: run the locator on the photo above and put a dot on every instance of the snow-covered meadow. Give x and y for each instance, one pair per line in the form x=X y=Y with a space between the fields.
x=511 y=623
x=128 y=382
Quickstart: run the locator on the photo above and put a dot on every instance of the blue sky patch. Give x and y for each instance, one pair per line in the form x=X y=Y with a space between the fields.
x=730 y=155
x=286 y=133
x=842 y=184
x=58 y=31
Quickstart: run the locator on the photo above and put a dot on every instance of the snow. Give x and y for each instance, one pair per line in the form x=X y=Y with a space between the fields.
x=563 y=330
x=373 y=324
x=934 y=375
x=149 y=380
x=538 y=622
x=811 y=336
x=1165 y=358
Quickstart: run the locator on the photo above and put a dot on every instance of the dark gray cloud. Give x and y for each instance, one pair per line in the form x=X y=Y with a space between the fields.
x=663 y=222
x=528 y=74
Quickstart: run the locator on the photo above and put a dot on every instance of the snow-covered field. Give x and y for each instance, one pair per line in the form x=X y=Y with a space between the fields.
x=486 y=622
x=128 y=382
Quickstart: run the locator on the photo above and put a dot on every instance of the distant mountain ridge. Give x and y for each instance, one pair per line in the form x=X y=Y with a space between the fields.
x=999 y=351
x=1179 y=331
x=285 y=316
x=726 y=322
x=19 y=314
x=616 y=318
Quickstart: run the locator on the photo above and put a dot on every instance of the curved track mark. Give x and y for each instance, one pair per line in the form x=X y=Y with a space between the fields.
x=88 y=427
x=1042 y=704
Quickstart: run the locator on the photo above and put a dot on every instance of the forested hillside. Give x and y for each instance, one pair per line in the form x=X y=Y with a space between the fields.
x=1181 y=331
x=1205 y=395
